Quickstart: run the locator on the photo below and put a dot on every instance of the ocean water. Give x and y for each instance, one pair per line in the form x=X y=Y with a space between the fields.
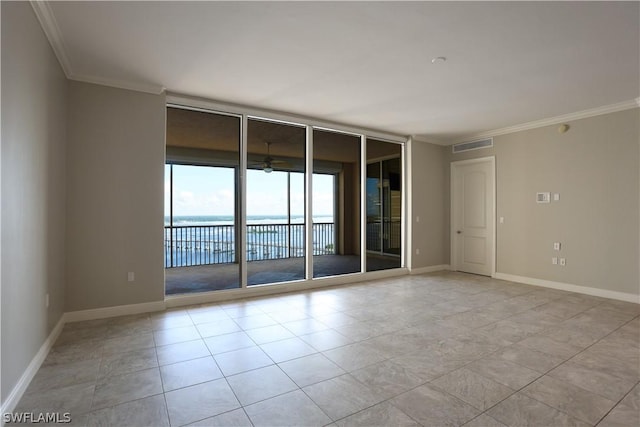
x=184 y=220
x=200 y=239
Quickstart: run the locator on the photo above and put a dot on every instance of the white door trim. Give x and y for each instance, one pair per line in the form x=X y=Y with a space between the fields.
x=453 y=254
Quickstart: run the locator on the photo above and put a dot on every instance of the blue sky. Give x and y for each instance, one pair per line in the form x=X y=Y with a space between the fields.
x=202 y=190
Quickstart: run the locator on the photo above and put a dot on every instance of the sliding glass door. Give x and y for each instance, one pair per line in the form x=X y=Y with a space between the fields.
x=250 y=210
x=201 y=202
x=384 y=205
x=336 y=203
x=276 y=223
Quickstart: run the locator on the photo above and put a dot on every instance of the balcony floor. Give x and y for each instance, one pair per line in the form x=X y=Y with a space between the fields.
x=204 y=278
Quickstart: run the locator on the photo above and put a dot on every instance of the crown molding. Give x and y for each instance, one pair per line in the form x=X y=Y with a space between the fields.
x=119 y=84
x=606 y=109
x=50 y=27
x=52 y=31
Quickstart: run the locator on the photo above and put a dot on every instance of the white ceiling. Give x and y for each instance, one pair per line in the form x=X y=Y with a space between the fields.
x=365 y=64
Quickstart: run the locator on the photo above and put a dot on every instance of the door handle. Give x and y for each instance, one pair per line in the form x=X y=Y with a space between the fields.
x=459 y=232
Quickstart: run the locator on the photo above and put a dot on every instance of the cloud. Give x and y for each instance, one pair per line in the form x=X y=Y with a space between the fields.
x=221 y=202
x=265 y=203
x=214 y=194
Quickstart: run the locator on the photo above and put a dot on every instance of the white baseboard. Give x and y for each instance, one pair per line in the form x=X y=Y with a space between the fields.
x=430 y=269
x=18 y=390
x=75 y=316
x=596 y=292
x=119 y=310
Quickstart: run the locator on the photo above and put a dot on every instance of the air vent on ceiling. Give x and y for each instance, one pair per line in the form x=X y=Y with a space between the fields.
x=473 y=145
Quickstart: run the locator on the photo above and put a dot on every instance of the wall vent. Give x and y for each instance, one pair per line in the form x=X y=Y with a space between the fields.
x=473 y=145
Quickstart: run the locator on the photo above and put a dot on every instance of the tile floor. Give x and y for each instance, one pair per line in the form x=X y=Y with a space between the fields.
x=443 y=349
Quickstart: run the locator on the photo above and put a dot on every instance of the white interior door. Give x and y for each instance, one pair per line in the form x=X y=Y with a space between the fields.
x=472 y=215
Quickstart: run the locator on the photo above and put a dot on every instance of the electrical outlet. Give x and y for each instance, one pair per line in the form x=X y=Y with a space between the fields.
x=563 y=262
x=417 y=251
x=543 y=197
x=417 y=218
x=131 y=276
x=554 y=260
x=556 y=246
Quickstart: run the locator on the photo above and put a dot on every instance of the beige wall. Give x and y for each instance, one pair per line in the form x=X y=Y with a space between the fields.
x=429 y=181
x=34 y=91
x=115 y=178
x=594 y=167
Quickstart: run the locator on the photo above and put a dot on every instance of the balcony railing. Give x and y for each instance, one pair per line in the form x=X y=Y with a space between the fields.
x=383 y=236
x=191 y=245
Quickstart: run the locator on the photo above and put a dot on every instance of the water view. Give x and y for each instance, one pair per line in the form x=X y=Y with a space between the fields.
x=211 y=239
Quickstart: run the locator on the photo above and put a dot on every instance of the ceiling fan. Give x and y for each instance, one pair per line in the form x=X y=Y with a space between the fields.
x=268 y=162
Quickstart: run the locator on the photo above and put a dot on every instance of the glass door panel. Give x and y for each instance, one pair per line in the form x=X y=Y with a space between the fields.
x=392 y=204
x=201 y=201
x=384 y=205
x=336 y=203
x=275 y=243
x=374 y=208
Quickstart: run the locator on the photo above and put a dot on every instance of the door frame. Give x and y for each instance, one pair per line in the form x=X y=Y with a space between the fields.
x=453 y=255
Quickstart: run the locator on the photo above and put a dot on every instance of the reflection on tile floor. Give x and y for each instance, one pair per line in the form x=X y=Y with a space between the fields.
x=440 y=349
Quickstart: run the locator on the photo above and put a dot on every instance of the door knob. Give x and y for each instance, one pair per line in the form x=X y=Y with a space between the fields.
x=459 y=232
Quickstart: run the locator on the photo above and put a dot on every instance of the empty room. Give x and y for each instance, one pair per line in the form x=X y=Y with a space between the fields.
x=320 y=213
